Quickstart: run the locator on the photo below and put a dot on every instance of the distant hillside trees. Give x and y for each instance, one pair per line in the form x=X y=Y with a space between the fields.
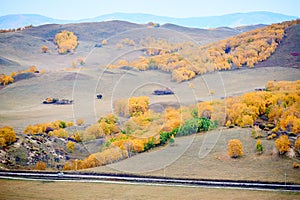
x=185 y=60
x=66 y=41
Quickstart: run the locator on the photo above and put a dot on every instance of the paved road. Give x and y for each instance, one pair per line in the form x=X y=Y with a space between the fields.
x=147 y=180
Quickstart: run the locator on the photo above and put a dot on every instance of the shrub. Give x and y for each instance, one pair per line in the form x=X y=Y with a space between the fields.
x=259 y=146
x=149 y=145
x=297 y=145
x=40 y=166
x=189 y=127
x=282 y=144
x=79 y=122
x=71 y=146
x=44 y=49
x=7 y=135
x=62 y=124
x=194 y=125
x=235 y=148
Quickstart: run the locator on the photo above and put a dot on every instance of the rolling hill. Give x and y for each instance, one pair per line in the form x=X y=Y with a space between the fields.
x=23 y=47
x=231 y=20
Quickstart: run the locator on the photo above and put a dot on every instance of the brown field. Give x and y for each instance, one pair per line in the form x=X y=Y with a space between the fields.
x=205 y=156
x=14 y=189
x=21 y=102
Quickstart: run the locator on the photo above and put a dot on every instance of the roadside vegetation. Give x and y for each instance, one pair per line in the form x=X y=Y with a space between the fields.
x=272 y=114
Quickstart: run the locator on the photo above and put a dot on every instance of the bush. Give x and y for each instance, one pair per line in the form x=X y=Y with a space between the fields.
x=44 y=49
x=164 y=136
x=62 y=124
x=259 y=146
x=297 y=145
x=282 y=144
x=194 y=125
x=71 y=146
x=40 y=166
x=7 y=135
x=79 y=122
x=235 y=148
x=149 y=145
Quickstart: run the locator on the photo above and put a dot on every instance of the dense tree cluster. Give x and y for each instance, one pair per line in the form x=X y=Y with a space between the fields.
x=185 y=60
x=280 y=104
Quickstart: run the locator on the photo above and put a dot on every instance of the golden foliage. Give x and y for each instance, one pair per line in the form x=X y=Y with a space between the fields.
x=172 y=119
x=40 y=166
x=44 y=49
x=108 y=124
x=107 y=156
x=246 y=49
x=297 y=145
x=66 y=41
x=138 y=105
x=235 y=148
x=79 y=122
x=71 y=146
x=104 y=42
x=282 y=144
x=6 y=79
x=61 y=133
x=41 y=128
x=7 y=135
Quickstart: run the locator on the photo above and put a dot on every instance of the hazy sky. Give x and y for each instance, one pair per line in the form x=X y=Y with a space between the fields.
x=79 y=9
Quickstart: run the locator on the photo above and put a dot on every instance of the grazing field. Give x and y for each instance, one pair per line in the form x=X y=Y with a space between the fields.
x=205 y=156
x=17 y=111
x=16 y=189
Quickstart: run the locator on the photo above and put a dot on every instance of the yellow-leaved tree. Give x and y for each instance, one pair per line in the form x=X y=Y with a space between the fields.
x=66 y=41
x=282 y=144
x=7 y=135
x=235 y=148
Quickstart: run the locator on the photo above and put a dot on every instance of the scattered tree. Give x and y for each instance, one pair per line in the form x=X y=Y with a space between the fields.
x=79 y=122
x=235 y=148
x=66 y=41
x=71 y=146
x=259 y=146
x=44 y=49
x=7 y=135
x=282 y=144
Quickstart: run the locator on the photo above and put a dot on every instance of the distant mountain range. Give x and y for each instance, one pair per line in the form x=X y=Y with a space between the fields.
x=229 y=20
